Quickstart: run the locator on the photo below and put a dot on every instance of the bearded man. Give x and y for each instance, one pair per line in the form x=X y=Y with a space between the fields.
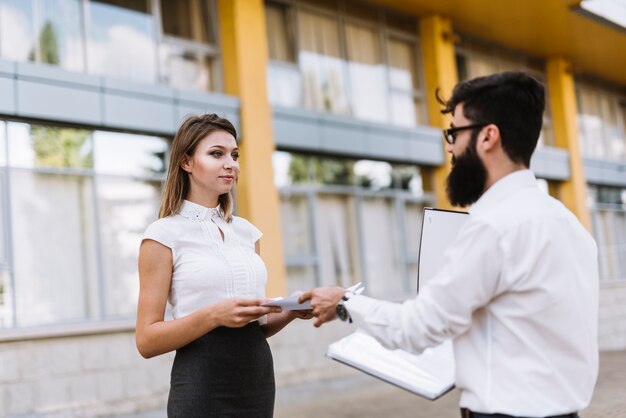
x=518 y=293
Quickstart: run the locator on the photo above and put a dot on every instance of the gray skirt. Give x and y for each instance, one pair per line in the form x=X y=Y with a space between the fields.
x=228 y=372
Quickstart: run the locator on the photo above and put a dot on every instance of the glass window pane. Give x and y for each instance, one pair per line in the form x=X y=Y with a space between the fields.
x=3 y=143
x=295 y=219
x=279 y=35
x=337 y=240
x=186 y=68
x=126 y=208
x=53 y=247
x=381 y=246
x=4 y=257
x=323 y=69
x=367 y=74
x=281 y=162
x=300 y=278
x=6 y=300
x=17 y=39
x=46 y=146
x=284 y=84
x=142 y=155
x=60 y=34
x=404 y=111
x=591 y=125
x=407 y=177
x=188 y=19
x=373 y=174
x=121 y=40
x=328 y=170
x=402 y=71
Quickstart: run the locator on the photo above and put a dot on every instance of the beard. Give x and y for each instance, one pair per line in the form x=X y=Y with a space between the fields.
x=466 y=181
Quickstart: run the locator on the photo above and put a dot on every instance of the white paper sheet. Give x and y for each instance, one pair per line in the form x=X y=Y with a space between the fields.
x=289 y=303
x=430 y=374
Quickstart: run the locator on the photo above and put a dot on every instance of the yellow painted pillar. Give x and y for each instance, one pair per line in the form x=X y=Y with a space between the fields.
x=572 y=192
x=437 y=43
x=245 y=57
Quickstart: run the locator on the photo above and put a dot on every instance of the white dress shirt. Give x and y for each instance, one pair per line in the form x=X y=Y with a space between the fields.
x=518 y=293
x=208 y=269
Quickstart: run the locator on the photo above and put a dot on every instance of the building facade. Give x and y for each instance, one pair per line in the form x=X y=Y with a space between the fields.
x=341 y=150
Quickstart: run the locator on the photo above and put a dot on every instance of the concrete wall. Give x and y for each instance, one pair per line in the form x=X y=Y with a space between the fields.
x=103 y=375
x=612 y=316
x=84 y=376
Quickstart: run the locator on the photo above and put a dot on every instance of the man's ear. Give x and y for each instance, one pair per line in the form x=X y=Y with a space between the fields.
x=186 y=163
x=491 y=137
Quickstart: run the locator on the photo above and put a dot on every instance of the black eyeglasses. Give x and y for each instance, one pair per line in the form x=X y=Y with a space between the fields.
x=450 y=134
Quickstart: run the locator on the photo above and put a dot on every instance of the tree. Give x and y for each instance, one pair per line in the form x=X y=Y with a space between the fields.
x=61 y=147
x=48 y=46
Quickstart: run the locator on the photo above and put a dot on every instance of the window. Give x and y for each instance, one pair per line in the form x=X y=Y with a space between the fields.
x=323 y=69
x=476 y=59
x=118 y=38
x=77 y=207
x=348 y=220
x=405 y=97
x=188 y=53
x=47 y=31
x=608 y=215
x=347 y=61
x=283 y=76
x=366 y=68
x=121 y=40
x=602 y=122
x=128 y=198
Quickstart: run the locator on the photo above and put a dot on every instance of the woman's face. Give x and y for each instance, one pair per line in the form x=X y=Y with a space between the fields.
x=213 y=167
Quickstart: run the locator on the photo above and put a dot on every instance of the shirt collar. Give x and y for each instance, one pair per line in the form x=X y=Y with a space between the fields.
x=196 y=212
x=502 y=188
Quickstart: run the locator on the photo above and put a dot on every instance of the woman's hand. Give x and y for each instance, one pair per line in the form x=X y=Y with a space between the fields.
x=238 y=312
x=304 y=314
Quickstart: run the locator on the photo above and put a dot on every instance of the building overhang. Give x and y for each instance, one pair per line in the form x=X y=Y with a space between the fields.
x=539 y=28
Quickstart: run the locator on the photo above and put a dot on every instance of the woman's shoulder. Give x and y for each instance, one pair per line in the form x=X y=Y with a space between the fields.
x=163 y=230
x=165 y=223
x=246 y=228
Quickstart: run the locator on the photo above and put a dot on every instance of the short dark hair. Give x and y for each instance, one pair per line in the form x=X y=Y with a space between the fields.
x=514 y=101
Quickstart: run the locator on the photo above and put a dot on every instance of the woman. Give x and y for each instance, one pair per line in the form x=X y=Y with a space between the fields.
x=206 y=262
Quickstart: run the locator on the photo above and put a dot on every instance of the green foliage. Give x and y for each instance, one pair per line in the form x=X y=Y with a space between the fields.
x=299 y=169
x=61 y=147
x=304 y=169
x=48 y=46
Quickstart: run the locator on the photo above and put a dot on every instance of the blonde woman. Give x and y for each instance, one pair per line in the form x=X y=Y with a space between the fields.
x=206 y=262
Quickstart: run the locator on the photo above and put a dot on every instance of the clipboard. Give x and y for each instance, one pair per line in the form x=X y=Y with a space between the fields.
x=431 y=373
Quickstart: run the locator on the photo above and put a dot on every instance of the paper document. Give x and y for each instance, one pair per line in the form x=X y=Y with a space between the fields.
x=289 y=303
x=429 y=374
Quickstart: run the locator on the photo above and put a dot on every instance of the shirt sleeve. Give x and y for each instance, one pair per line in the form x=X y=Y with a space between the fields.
x=156 y=231
x=250 y=231
x=468 y=280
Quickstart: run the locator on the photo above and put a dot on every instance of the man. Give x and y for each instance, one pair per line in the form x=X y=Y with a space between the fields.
x=518 y=292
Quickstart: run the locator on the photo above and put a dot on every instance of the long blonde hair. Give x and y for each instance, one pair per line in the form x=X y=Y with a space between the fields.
x=191 y=132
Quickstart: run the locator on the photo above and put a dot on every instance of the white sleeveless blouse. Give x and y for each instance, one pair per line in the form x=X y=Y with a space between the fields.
x=208 y=269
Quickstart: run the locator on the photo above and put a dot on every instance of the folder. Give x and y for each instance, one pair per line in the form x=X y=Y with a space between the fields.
x=431 y=373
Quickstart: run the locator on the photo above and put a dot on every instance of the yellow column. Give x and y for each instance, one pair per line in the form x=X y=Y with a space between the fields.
x=245 y=57
x=437 y=43
x=573 y=192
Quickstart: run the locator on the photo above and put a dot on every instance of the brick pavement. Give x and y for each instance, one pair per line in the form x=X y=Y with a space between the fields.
x=363 y=396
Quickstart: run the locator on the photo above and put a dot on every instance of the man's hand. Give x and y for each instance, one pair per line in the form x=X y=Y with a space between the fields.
x=324 y=302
